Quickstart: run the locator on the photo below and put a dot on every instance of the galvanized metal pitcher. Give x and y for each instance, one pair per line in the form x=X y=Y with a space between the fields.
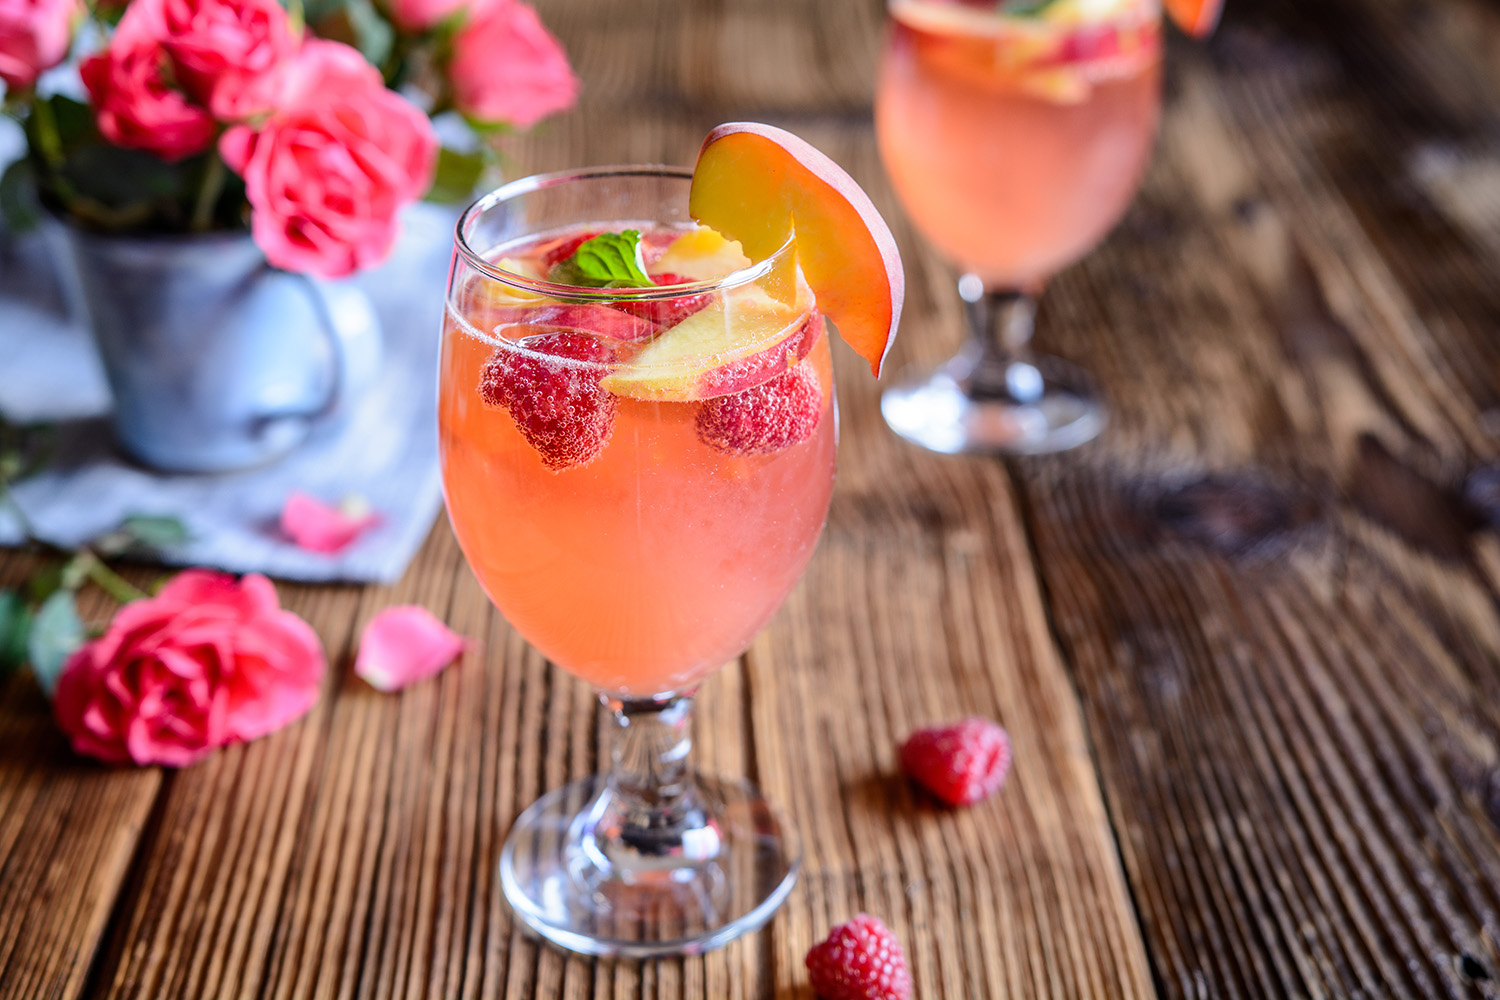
x=218 y=361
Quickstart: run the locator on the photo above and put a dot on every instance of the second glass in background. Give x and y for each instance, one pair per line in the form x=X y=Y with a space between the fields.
x=1015 y=138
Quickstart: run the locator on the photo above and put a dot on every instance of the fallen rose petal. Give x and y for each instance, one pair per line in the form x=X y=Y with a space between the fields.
x=319 y=527
x=405 y=644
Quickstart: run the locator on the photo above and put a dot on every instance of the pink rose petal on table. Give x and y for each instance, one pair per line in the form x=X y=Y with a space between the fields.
x=405 y=644
x=320 y=527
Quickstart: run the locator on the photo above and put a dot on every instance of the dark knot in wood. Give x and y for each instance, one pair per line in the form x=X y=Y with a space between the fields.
x=1236 y=514
x=1482 y=491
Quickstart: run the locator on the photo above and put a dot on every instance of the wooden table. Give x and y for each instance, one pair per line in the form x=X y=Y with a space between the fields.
x=1247 y=645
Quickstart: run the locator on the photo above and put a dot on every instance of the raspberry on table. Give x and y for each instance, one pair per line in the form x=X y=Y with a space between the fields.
x=961 y=763
x=764 y=418
x=557 y=404
x=859 y=960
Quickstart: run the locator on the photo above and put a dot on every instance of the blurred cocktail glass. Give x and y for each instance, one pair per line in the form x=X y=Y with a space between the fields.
x=1015 y=135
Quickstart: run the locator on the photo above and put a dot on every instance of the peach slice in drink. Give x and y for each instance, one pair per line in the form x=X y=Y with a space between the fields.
x=732 y=344
x=758 y=185
x=701 y=255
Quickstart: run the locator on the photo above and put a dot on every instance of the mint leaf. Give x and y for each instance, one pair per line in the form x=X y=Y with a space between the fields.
x=55 y=633
x=1026 y=8
x=609 y=260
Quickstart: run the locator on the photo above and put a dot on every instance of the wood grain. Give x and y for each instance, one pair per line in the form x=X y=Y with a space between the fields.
x=1247 y=645
x=68 y=831
x=1279 y=605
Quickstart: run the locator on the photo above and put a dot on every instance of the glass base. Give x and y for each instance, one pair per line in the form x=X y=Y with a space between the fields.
x=575 y=879
x=978 y=405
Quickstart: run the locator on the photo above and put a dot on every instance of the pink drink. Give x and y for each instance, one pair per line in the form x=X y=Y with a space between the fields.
x=649 y=564
x=1016 y=143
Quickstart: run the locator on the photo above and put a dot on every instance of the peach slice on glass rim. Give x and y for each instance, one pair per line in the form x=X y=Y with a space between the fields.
x=1196 y=17
x=757 y=185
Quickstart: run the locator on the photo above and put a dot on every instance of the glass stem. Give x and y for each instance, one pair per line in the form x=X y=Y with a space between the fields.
x=1001 y=322
x=650 y=816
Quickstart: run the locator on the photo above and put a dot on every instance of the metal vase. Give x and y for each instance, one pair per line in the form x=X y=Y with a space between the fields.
x=217 y=360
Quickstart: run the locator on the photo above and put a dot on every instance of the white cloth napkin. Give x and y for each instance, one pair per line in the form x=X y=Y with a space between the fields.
x=383 y=447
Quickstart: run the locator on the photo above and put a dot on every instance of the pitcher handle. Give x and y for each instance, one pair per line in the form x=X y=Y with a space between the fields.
x=353 y=331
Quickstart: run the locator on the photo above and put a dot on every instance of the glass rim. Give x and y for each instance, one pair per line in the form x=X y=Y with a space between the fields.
x=538 y=182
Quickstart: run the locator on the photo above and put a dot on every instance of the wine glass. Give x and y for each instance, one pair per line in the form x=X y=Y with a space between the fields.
x=638 y=509
x=1015 y=135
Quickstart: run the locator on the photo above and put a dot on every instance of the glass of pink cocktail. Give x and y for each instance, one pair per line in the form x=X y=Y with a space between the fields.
x=637 y=428
x=1015 y=134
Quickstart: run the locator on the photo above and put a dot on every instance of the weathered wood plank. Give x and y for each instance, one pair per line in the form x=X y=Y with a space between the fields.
x=68 y=830
x=1271 y=581
x=388 y=810
x=1284 y=632
x=921 y=607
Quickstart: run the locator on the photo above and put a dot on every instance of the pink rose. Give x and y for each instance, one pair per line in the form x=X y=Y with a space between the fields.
x=34 y=36
x=133 y=105
x=508 y=68
x=208 y=661
x=419 y=15
x=328 y=171
x=219 y=48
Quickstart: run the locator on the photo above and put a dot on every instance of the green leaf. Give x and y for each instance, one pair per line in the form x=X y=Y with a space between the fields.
x=55 y=634
x=609 y=260
x=18 y=202
x=141 y=534
x=156 y=532
x=44 y=583
x=108 y=13
x=74 y=120
x=118 y=177
x=15 y=623
x=456 y=177
x=314 y=11
x=1026 y=8
x=373 y=34
x=25 y=449
x=76 y=570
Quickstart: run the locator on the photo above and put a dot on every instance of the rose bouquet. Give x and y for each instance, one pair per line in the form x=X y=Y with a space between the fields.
x=312 y=126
